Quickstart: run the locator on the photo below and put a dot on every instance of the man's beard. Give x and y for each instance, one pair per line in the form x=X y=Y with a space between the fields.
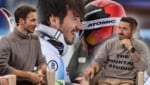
x=28 y=31
x=122 y=36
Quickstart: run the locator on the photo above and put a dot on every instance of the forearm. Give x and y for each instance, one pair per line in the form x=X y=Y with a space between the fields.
x=139 y=62
x=135 y=57
x=5 y=69
x=21 y=74
x=27 y=75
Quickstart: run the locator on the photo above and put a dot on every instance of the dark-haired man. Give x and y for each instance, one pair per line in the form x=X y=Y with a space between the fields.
x=20 y=50
x=58 y=17
x=122 y=57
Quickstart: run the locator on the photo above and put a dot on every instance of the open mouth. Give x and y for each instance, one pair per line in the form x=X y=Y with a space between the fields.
x=74 y=33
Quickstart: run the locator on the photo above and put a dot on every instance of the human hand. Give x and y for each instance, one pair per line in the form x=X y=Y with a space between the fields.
x=41 y=75
x=89 y=73
x=33 y=77
x=126 y=43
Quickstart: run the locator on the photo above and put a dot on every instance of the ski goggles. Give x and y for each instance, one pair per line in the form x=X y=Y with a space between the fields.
x=96 y=31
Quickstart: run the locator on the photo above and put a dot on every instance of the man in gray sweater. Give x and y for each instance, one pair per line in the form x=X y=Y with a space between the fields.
x=20 y=50
x=121 y=57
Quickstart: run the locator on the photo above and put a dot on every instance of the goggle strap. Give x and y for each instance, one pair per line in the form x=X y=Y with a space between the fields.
x=104 y=22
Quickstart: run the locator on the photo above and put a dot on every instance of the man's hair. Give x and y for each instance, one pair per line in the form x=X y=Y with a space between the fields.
x=58 y=8
x=22 y=12
x=131 y=20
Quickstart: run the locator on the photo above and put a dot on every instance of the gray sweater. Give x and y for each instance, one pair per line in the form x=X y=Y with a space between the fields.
x=117 y=59
x=19 y=51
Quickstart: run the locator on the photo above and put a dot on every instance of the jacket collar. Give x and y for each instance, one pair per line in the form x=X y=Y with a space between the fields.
x=21 y=35
x=48 y=30
x=52 y=32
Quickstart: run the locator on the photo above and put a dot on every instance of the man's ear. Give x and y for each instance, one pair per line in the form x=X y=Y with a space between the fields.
x=21 y=21
x=54 y=22
x=133 y=31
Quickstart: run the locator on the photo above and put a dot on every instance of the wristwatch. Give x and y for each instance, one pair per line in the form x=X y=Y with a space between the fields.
x=132 y=50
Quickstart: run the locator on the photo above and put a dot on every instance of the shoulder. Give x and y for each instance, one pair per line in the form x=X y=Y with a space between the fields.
x=5 y=42
x=35 y=36
x=141 y=45
x=7 y=38
x=139 y=42
x=48 y=49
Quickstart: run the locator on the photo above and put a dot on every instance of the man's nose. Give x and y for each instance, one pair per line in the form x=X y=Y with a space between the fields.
x=120 y=30
x=80 y=26
x=34 y=23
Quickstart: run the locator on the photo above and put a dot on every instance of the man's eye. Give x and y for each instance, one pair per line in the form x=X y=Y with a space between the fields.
x=76 y=19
